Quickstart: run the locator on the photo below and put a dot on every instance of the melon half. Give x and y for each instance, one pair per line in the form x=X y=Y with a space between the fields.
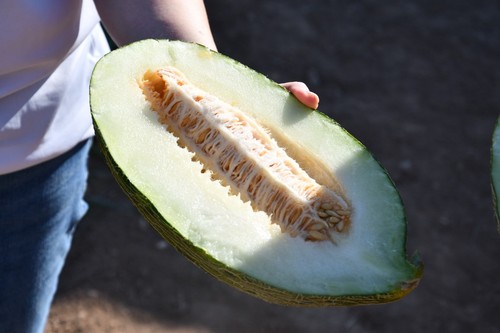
x=291 y=252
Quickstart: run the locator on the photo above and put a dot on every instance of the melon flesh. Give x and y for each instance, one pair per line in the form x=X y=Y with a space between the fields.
x=243 y=155
x=222 y=233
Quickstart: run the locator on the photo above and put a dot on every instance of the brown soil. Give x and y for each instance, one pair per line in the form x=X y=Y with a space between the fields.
x=418 y=84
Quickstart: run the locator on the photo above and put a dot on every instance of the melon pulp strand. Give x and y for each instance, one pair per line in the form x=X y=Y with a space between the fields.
x=243 y=155
x=222 y=233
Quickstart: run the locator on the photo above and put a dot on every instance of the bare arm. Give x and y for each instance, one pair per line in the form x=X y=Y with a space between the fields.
x=130 y=20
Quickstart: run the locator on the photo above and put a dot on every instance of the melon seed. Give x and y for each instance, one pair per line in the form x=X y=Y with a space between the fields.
x=241 y=153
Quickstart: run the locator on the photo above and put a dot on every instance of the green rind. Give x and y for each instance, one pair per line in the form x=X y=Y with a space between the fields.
x=495 y=171
x=231 y=276
x=236 y=278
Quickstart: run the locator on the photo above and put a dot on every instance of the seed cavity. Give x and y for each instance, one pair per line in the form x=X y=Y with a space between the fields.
x=242 y=154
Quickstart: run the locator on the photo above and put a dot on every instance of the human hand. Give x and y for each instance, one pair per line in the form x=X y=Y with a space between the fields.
x=303 y=94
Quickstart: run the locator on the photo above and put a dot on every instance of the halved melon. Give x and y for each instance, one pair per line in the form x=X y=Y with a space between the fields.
x=263 y=193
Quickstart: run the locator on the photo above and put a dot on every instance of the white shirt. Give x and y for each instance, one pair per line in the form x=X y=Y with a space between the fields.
x=48 y=50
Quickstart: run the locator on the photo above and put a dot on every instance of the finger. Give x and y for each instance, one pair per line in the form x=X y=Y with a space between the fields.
x=302 y=93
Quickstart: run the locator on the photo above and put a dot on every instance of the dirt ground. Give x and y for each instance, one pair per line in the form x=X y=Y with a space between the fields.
x=418 y=83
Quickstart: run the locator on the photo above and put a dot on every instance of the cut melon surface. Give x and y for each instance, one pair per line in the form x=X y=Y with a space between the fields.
x=225 y=234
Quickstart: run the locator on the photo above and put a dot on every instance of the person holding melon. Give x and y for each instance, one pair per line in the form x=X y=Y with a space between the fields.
x=49 y=48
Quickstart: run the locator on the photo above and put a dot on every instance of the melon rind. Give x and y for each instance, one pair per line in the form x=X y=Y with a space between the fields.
x=220 y=233
x=495 y=171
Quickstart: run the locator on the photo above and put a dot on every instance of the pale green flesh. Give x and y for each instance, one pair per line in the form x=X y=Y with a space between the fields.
x=370 y=259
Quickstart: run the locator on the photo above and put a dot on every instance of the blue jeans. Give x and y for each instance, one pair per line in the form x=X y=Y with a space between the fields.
x=39 y=209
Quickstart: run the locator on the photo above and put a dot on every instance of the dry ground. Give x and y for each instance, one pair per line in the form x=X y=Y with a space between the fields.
x=418 y=83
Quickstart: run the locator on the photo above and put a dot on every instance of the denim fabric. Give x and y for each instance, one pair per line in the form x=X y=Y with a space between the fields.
x=39 y=209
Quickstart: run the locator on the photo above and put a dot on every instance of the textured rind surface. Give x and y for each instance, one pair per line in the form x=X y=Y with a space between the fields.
x=495 y=171
x=232 y=276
